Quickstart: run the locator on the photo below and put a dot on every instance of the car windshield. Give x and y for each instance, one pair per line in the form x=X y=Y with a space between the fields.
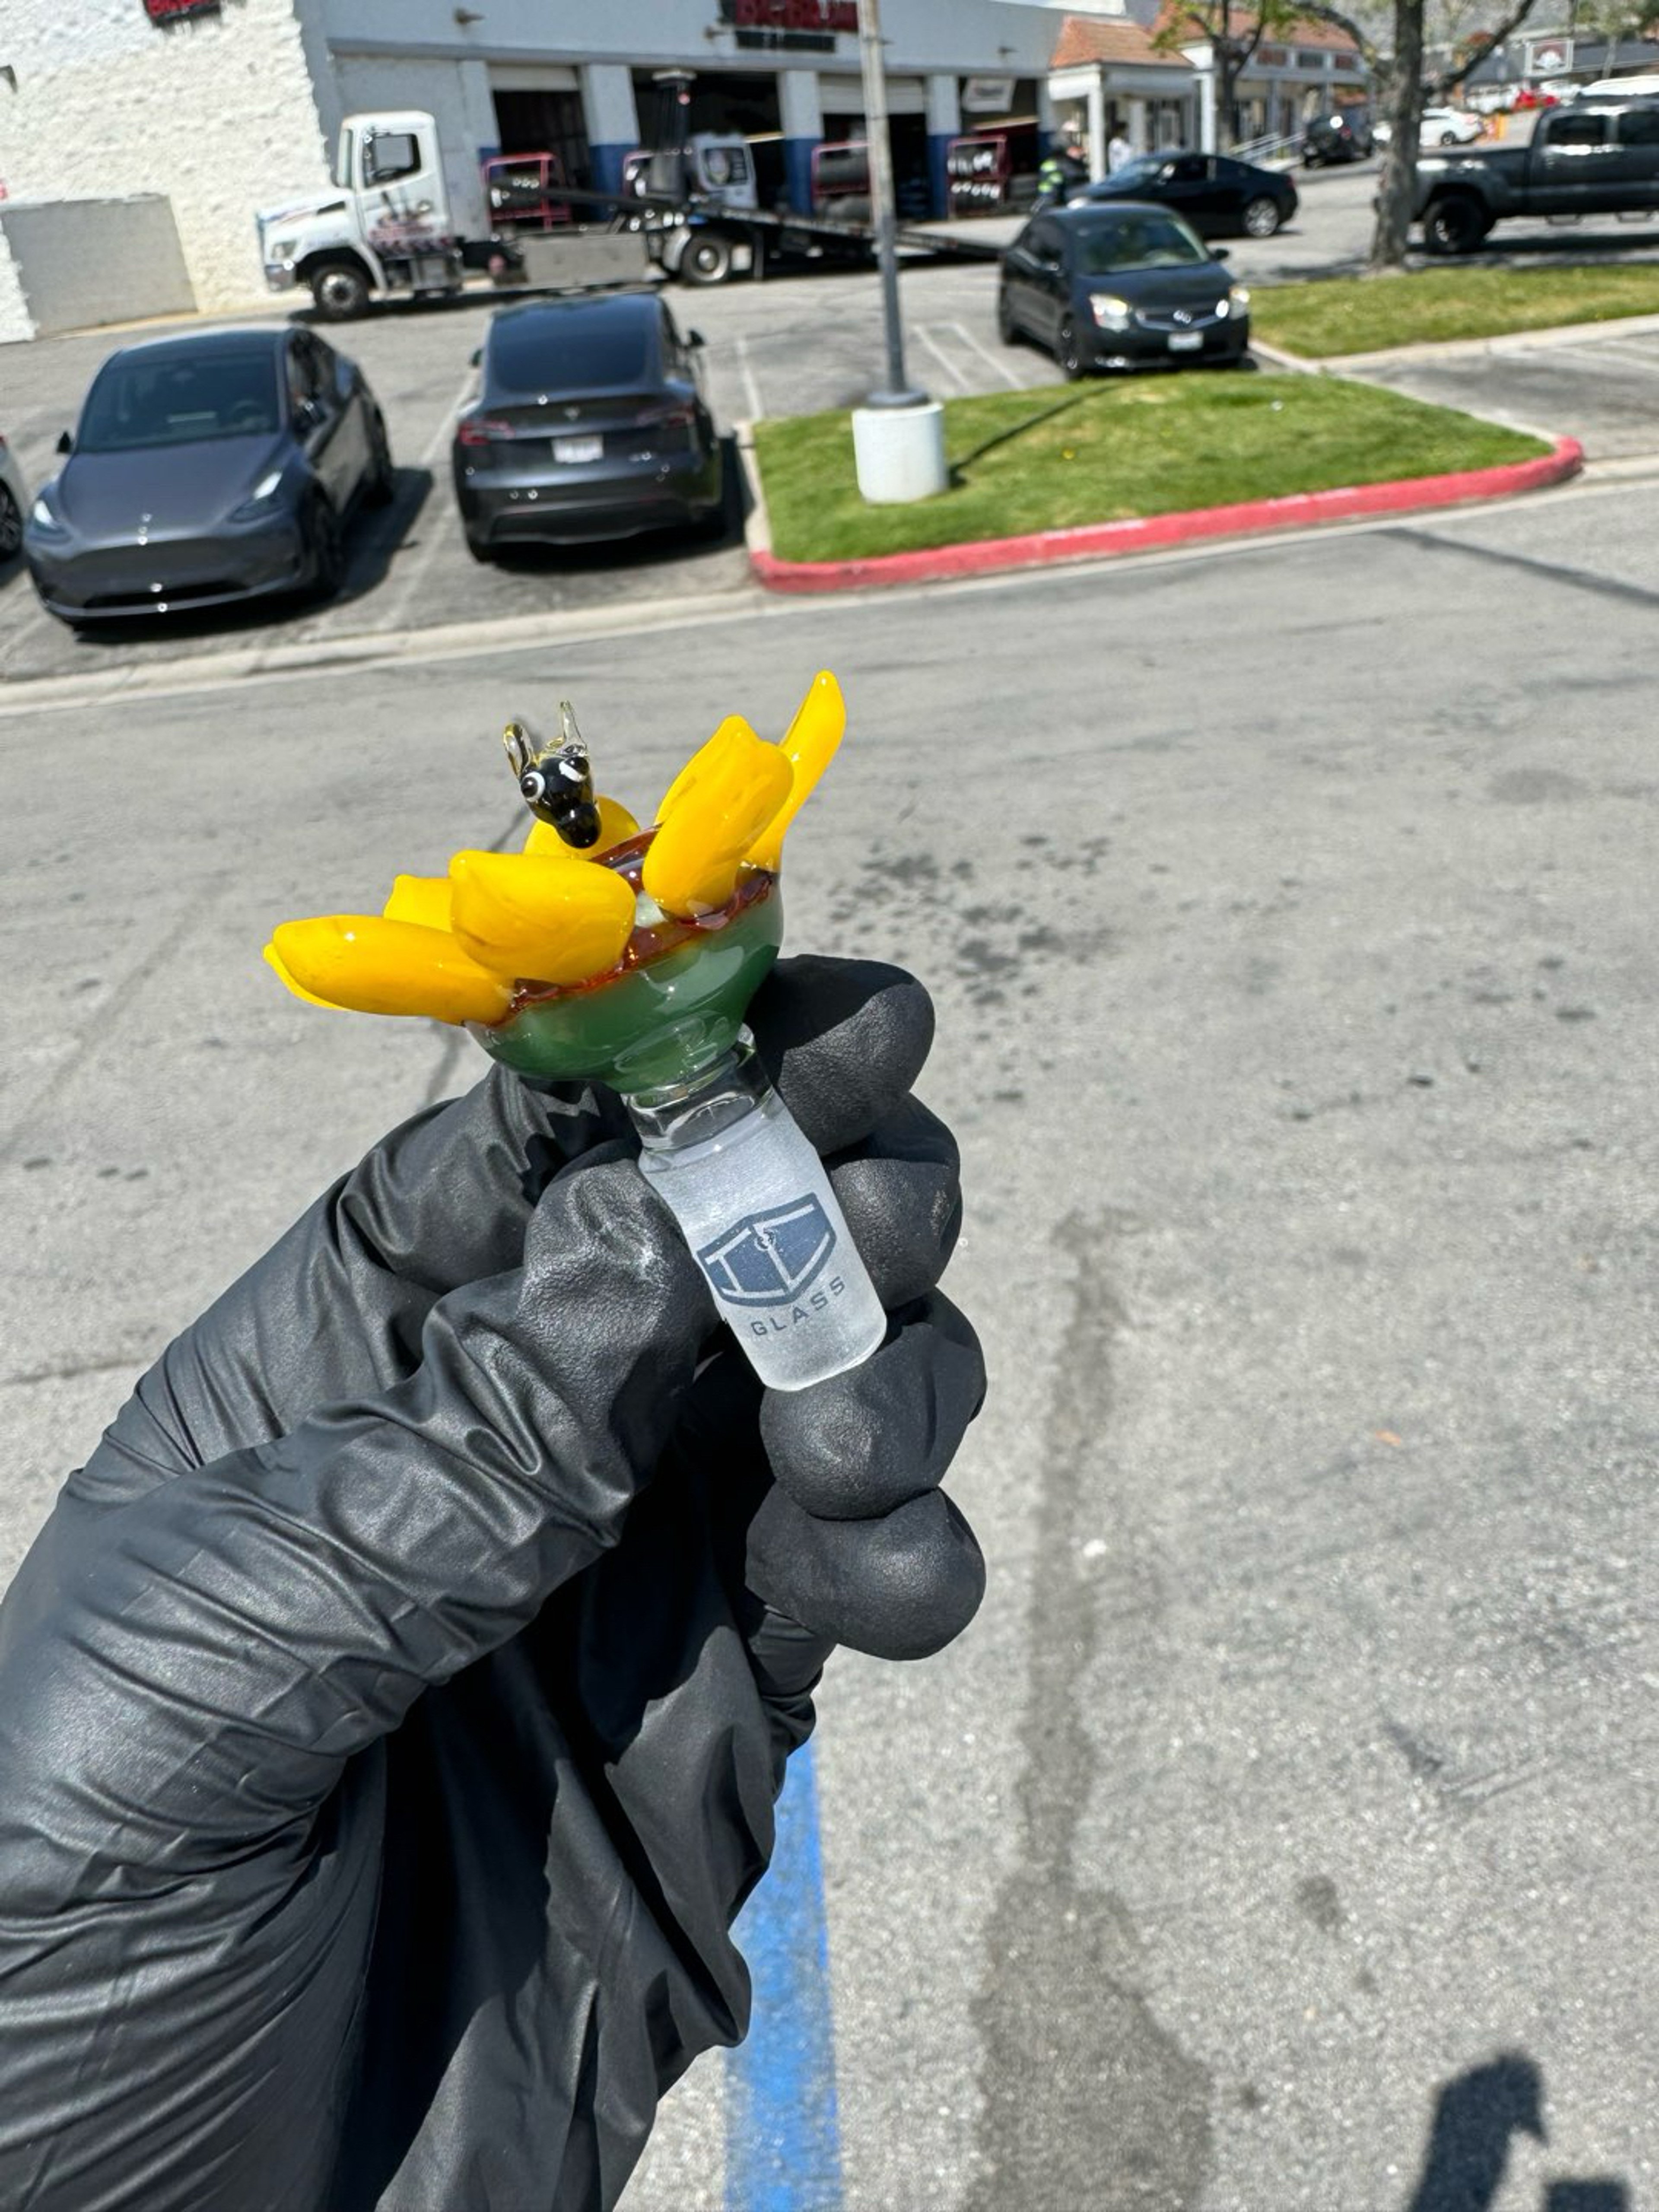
x=1137 y=241
x=176 y=400
x=1141 y=171
x=549 y=353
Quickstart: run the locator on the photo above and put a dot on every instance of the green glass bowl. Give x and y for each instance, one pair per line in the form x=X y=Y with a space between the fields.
x=673 y=1004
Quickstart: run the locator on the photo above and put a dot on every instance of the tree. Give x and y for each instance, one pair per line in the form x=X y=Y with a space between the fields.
x=1233 y=31
x=1392 y=52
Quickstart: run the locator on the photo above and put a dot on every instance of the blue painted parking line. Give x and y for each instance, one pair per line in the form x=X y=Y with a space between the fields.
x=782 y=2135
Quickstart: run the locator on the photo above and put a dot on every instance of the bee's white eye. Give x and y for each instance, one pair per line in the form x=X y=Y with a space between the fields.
x=532 y=783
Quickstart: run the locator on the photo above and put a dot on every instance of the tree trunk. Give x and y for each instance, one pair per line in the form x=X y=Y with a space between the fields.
x=1398 y=187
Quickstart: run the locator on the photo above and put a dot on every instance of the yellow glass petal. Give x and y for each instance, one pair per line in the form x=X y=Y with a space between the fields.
x=379 y=967
x=424 y=899
x=810 y=743
x=545 y=920
x=692 y=866
x=615 y=823
x=273 y=959
x=731 y=742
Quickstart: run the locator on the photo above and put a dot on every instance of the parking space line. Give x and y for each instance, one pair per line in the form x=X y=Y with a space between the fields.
x=944 y=359
x=986 y=355
x=750 y=389
x=416 y=568
x=440 y=438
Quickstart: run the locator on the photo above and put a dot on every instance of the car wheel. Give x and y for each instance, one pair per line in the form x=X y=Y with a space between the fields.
x=11 y=525
x=1261 y=217
x=340 y=289
x=1069 y=353
x=707 y=259
x=327 y=550
x=379 y=485
x=1007 y=328
x=1454 y=225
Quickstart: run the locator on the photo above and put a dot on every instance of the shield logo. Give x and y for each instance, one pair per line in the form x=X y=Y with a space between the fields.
x=770 y=1256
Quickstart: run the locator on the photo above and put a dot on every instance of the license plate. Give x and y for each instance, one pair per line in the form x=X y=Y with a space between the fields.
x=578 y=449
x=1186 y=341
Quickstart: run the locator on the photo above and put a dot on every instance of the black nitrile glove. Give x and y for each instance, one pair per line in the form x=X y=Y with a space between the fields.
x=391 y=1711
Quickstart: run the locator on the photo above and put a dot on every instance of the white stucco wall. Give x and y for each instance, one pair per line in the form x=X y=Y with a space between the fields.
x=16 y=321
x=216 y=112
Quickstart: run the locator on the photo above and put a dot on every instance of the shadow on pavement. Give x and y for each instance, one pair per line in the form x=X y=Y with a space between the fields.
x=1476 y=2118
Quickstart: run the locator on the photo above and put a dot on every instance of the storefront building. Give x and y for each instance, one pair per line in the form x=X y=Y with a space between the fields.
x=227 y=105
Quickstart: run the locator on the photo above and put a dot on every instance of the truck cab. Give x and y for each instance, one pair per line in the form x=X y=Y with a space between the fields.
x=386 y=227
x=1594 y=156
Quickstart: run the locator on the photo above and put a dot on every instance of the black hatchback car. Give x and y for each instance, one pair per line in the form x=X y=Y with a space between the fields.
x=589 y=421
x=217 y=466
x=1219 y=196
x=1118 y=287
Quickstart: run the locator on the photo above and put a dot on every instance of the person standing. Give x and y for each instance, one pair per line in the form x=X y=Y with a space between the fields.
x=1118 y=151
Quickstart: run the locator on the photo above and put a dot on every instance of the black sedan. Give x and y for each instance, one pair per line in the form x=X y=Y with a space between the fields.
x=589 y=421
x=1219 y=196
x=1116 y=287
x=219 y=466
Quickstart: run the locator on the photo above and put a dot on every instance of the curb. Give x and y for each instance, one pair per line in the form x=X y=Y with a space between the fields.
x=1147 y=533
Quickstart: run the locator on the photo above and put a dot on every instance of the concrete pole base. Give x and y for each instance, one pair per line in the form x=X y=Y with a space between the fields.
x=900 y=453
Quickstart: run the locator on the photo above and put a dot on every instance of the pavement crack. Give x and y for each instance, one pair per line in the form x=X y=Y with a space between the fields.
x=1086 y=2099
x=1549 y=572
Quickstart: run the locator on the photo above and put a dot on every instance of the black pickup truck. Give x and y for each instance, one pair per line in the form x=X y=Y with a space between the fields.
x=1597 y=156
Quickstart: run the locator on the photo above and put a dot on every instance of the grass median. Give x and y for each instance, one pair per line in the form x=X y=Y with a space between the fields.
x=1364 y=314
x=1062 y=456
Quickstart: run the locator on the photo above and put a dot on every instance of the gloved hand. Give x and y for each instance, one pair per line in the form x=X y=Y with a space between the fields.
x=391 y=1711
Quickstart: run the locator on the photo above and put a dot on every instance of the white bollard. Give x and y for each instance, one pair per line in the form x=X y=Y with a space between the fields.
x=900 y=452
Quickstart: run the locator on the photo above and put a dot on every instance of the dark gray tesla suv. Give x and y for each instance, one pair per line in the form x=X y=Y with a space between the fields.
x=589 y=421
x=206 y=469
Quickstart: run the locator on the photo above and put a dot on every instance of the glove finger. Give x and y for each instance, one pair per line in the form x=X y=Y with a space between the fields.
x=898 y=1588
x=902 y=1194
x=865 y=1443
x=844 y=1041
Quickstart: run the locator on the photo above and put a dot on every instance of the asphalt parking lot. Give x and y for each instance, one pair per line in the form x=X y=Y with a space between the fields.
x=793 y=345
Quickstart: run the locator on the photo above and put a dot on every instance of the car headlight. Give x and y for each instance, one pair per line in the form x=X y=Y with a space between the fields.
x=1238 y=299
x=46 y=518
x=281 y=249
x=1110 y=312
x=257 y=504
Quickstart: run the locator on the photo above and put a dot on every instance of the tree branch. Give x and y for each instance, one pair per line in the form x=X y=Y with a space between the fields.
x=1486 y=43
x=1315 y=11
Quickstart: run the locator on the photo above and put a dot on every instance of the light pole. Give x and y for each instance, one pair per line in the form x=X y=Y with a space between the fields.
x=896 y=392
x=898 y=435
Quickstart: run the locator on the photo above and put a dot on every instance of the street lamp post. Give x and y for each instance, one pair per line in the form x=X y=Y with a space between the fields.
x=883 y=212
x=898 y=435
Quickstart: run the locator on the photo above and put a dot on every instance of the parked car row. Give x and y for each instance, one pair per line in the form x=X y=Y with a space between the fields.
x=227 y=466
x=1349 y=133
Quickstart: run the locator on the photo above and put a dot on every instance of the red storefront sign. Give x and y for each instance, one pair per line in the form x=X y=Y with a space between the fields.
x=172 y=11
x=793 y=14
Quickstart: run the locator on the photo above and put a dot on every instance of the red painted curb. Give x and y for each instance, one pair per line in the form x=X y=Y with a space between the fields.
x=1096 y=540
